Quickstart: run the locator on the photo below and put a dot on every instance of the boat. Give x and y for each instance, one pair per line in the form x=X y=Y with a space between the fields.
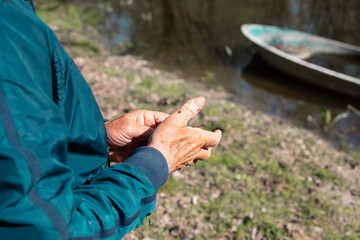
x=309 y=58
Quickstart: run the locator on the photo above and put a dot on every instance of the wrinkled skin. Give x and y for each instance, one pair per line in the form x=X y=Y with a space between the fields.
x=131 y=131
x=180 y=145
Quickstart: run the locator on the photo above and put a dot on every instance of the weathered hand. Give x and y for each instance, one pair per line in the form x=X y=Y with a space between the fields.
x=182 y=145
x=131 y=131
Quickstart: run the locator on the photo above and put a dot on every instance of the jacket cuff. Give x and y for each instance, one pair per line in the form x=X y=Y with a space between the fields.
x=150 y=161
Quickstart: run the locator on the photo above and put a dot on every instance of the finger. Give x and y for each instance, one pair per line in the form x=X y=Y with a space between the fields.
x=192 y=163
x=159 y=117
x=154 y=118
x=187 y=111
x=203 y=154
x=148 y=118
x=210 y=139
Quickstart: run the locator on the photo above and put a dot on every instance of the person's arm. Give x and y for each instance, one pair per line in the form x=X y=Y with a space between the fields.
x=37 y=200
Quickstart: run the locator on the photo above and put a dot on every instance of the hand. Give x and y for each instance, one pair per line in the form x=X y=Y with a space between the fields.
x=131 y=131
x=182 y=145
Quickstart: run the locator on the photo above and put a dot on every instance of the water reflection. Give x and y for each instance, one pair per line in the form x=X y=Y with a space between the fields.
x=196 y=36
x=289 y=98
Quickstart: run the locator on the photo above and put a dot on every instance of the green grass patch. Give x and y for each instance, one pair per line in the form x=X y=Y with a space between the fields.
x=65 y=16
x=111 y=72
x=129 y=76
x=171 y=185
x=148 y=82
x=209 y=76
x=309 y=143
x=271 y=231
x=174 y=91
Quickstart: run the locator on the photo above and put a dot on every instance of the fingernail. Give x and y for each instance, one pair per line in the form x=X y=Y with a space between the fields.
x=199 y=101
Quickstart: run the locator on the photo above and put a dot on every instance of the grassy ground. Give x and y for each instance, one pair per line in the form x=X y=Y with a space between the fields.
x=266 y=180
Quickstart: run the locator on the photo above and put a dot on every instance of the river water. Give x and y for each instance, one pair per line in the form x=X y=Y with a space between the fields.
x=201 y=39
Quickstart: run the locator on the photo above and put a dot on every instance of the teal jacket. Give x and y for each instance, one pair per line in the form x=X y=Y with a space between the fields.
x=53 y=146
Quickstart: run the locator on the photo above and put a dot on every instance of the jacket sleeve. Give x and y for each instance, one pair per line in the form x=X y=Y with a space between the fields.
x=38 y=199
x=122 y=195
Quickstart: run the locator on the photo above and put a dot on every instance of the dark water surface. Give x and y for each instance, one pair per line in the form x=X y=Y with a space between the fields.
x=201 y=39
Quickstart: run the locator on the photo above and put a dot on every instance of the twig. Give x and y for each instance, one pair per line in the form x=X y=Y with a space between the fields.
x=353 y=109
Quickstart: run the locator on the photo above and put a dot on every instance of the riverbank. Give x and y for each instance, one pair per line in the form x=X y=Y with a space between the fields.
x=268 y=179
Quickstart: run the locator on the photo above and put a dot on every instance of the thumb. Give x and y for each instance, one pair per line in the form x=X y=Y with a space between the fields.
x=187 y=111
